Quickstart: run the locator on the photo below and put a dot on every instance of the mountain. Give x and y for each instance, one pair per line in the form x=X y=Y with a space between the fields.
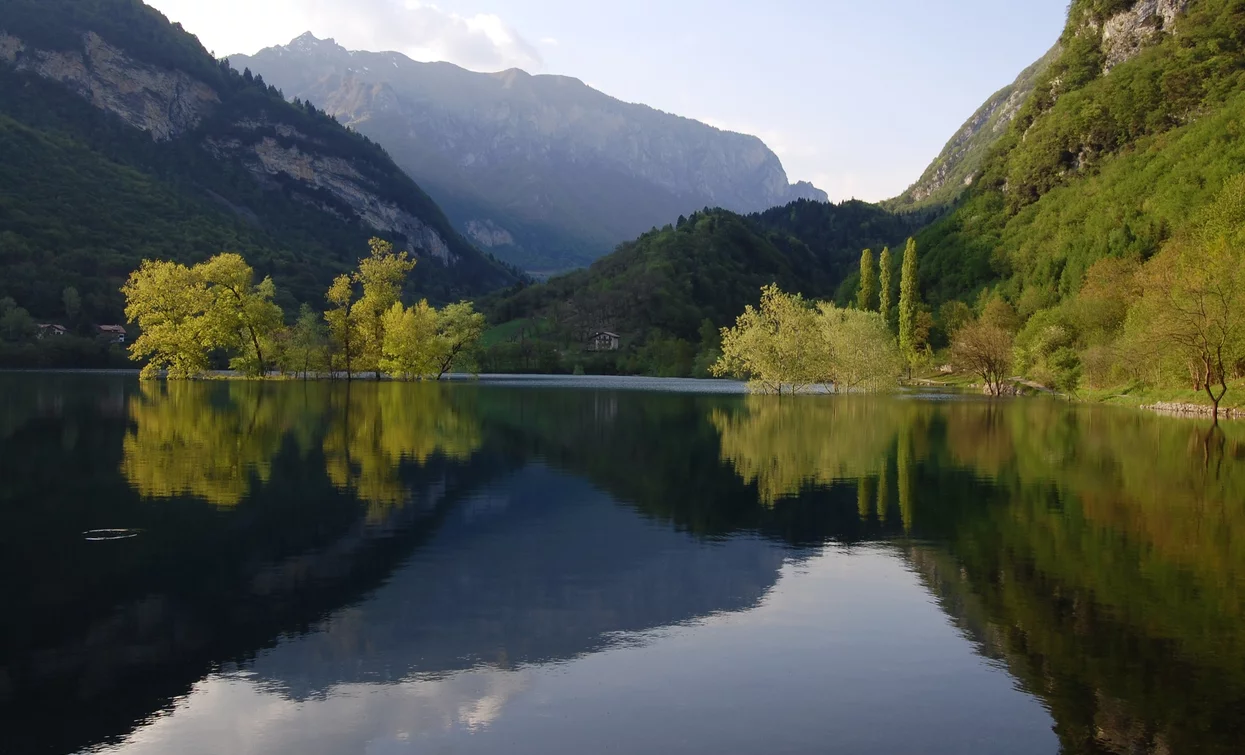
x=1129 y=133
x=959 y=163
x=121 y=138
x=659 y=291
x=545 y=171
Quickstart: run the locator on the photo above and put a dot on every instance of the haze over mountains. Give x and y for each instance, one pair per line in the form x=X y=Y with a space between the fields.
x=122 y=139
x=544 y=171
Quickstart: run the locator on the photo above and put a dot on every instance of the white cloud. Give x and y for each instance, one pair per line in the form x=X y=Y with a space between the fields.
x=425 y=32
x=549 y=41
x=421 y=30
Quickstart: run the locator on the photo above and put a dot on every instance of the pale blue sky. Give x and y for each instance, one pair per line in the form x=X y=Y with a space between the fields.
x=857 y=97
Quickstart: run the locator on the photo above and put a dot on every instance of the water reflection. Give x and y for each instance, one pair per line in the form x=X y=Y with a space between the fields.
x=463 y=565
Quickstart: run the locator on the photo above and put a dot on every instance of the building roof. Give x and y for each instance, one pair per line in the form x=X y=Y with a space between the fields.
x=606 y=333
x=111 y=329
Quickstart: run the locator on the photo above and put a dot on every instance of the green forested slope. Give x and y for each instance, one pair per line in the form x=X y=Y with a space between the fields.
x=85 y=196
x=667 y=292
x=1099 y=163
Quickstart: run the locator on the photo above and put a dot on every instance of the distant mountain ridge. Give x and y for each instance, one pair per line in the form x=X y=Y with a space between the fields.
x=122 y=138
x=543 y=170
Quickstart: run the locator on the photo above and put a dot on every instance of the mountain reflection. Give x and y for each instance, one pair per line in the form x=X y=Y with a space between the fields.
x=1100 y=553
x=323 y=540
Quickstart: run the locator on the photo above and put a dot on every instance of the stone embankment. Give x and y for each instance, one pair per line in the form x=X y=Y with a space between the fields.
x=1195 y=410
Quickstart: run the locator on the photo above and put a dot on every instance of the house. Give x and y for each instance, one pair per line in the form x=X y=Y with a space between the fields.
x=112 y=333
x=604 y=341
x=51 y=329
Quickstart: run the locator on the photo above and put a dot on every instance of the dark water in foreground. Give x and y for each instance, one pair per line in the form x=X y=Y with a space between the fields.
x=478 y=568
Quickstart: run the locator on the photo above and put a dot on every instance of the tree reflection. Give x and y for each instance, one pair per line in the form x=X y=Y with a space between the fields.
x=217 y=441
x=375 y=428
x=199 y=439
x=1100 y=552
x=784 y=446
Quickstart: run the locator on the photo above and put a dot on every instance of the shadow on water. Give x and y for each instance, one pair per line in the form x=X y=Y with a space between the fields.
x=421 y=529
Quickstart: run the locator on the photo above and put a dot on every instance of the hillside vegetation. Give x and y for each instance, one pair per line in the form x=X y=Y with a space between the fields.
x=1104 y=185
x=86 y=192
x=669 y=292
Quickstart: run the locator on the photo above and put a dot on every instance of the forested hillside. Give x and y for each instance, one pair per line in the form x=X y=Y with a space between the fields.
x=122 y=139
x=668 y=292
x=1114 y=203
x=1125 y=136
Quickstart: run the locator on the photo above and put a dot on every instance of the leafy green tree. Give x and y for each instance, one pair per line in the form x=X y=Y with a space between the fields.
x=16 y=324
x=344 y=332
x=953 y=316
x=242 y=314
x=459 y=328
x=382 y=274
x=167 y=300
x=865 y=294
x=909 y=304
x=73 y=305
x=775 y=345
x=884 y=290
x=410 y=348
x=306 y=347
x=859 y=351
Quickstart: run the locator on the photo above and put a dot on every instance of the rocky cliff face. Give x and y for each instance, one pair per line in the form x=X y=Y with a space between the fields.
x=164 y=103
x=169 y=104
x=960 y=161
x=1125 y=34
x=542 y=162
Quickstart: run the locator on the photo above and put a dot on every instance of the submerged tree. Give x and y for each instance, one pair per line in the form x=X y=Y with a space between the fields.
x=409 y=350
x=858 y=350
x=167 y=300
x=242 y=314
x=382 y=274
x=774 y=345
x=459 y=328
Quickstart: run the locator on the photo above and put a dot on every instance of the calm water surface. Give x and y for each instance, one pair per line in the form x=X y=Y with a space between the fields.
x=588 y=566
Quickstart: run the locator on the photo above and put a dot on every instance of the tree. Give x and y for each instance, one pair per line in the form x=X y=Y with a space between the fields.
x=343 y=328
x=775 y=345
x=954 y=315
x=1001 y=314
x=459 y=328
x=306 y=345
x=1192 y=305
x=167 y=300
x=382 y=275
x=16 y=324
x=983 y=349
x=242 y=314
x=909 y=305
x=865 y=294
x=859 y=350
x=884 y=288
x=73 y=305
x=410 y=348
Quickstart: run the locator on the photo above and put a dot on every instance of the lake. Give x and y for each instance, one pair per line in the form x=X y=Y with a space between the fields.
x=611 y=566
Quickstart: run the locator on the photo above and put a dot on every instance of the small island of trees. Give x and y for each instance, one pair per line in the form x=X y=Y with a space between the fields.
x=188 y=316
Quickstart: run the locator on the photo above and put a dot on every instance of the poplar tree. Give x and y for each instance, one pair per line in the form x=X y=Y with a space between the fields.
x=868 y=281
x=884 y=291
x=909 y=305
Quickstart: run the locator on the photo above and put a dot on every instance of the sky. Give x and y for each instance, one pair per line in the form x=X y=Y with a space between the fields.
x=857 y=97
